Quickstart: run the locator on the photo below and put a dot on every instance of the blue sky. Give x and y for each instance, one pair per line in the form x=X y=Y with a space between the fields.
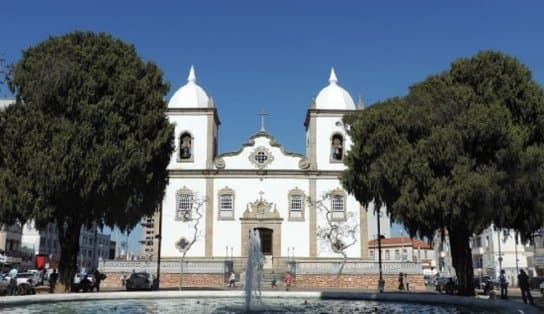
x=276 y=55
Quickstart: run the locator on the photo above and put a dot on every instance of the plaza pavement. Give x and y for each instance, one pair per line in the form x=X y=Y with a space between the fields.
x=513 y=305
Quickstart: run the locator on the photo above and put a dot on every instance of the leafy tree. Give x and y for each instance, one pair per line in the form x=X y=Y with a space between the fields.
x=87 y=140
x=5 y=70
x=464 y=149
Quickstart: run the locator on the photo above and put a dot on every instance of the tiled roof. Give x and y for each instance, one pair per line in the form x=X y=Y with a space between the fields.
x=401 y=241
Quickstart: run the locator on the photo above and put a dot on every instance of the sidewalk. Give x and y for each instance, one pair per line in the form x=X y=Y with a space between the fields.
x=515 y=295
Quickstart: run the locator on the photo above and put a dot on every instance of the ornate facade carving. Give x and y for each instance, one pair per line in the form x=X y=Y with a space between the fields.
x=261 y=209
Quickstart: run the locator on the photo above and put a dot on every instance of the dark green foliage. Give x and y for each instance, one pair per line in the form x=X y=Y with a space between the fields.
x=87 y=140
x=464 y=149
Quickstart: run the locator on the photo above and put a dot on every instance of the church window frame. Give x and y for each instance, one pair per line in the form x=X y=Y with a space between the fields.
x=184 y=204
x=296 y=204
x=183 y=135
x=338 y=205
x=337 y=142
x=225 y=204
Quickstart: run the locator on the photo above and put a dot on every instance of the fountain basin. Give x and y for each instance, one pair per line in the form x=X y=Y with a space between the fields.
x=275 y=301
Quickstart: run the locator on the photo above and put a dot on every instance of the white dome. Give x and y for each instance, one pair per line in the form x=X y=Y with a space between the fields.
x=333 y=96
x=190 y=95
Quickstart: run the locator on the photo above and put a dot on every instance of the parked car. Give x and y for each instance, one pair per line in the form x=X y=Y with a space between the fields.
x=26 y=283
x=139 y=281
x=83 y=282
x=535 y=282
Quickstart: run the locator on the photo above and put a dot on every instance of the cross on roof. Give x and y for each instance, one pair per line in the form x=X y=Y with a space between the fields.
x=262 y=114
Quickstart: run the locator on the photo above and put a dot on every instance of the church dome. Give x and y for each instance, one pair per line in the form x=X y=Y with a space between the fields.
x=333 y=96
x=190 y=95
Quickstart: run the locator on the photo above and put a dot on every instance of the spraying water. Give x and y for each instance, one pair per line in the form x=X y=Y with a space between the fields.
x=254 y=269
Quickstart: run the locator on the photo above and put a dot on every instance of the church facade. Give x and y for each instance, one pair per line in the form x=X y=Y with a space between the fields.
x=261 y=186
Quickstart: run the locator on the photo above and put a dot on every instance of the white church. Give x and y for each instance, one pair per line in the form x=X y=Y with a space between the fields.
x=261 y=186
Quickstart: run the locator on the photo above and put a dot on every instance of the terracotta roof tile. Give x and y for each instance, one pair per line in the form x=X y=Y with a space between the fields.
x=401 y=241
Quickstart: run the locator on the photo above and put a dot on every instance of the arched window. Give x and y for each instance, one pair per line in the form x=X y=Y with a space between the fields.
x=186 y=147
x=337 y=147
x=184 y=204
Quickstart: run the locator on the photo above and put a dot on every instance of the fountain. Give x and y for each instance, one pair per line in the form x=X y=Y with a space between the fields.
x=254 y=269
x=278 y=302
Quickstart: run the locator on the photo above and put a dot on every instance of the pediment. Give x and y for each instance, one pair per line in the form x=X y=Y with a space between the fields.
x=262 y=152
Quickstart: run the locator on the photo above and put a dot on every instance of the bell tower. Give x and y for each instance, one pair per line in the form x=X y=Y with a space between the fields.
x=196 y=126
x=326 y=137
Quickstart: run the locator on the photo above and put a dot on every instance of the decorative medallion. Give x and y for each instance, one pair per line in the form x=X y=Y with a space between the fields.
x=220 y=163
x=261 y=157
x=304 y=163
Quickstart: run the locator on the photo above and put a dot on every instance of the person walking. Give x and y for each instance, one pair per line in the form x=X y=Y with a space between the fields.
x=401 y=281
x=288 y=281
x=232 y=280
x=523 y=282
x=97 y=278
x=274 y=280
x=13 y=281
x=53 y=280
x=504 y=285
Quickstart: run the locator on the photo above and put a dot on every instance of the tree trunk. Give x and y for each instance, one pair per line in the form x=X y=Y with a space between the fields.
x=69 y=244
x=341 y=268
x=461 y=256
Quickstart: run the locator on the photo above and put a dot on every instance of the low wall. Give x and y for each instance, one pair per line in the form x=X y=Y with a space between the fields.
x=196 y=273
x=114 y=281
x=309 y=274
x=356 y=281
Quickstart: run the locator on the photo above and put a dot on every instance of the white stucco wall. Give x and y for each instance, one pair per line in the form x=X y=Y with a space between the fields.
x=352 y=206
x=197 y=126
x=173 y=230
x=325 y=128
x=281 y=161
x=228 y=232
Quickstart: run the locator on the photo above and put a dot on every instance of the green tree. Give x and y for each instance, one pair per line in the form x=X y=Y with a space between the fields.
x=464 y=149
x=87 y=140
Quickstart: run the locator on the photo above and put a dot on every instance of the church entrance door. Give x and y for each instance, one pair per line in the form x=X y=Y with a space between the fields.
x=266 y=238
x=264 y=217
x=265 y=235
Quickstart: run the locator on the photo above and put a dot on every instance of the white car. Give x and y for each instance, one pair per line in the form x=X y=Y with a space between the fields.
x=26 y=283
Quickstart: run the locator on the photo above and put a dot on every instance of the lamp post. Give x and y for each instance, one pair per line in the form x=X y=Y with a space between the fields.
x=500 y=254
x=381 y=282
x=159 y=238
x=516 y=251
